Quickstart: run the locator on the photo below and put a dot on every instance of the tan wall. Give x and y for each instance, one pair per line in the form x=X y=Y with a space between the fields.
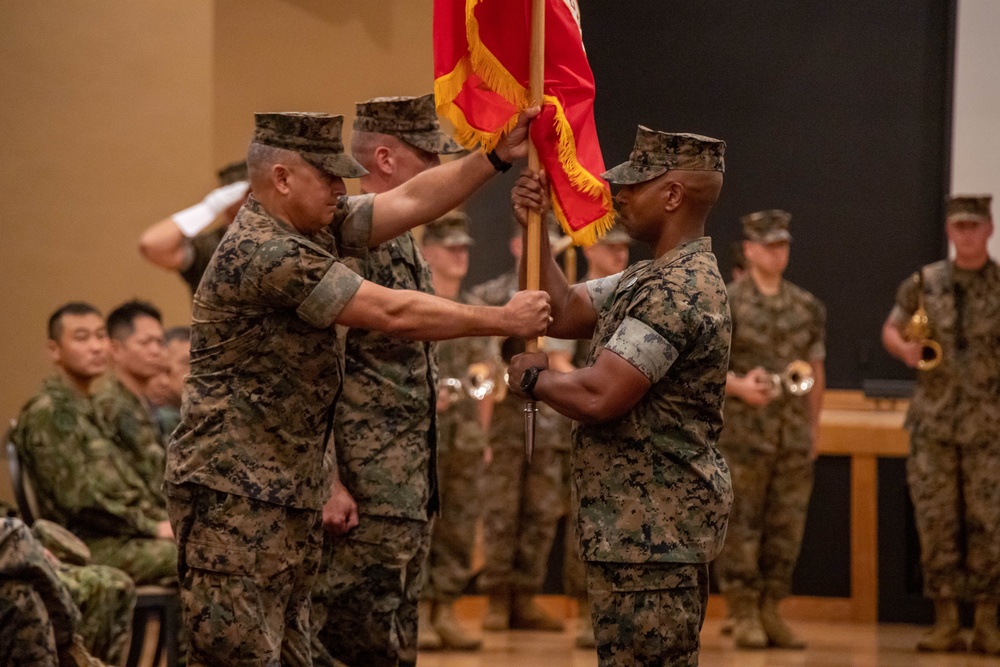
x=116 y=114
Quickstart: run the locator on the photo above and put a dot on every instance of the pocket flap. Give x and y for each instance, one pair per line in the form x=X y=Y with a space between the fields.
x=218 y=558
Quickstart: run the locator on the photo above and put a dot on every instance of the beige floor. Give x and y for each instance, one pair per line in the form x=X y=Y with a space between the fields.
x=830 y=645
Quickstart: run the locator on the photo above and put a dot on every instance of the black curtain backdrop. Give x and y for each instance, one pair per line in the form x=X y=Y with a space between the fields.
x=839 y=112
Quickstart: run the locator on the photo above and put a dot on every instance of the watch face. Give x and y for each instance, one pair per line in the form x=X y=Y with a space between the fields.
x=526 y=380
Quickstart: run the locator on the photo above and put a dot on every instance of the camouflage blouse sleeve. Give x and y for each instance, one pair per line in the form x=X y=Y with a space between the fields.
x=601 y=288
x=654 y=330
x=906 y=301
x=83 y=477
x=817 y=348
x=287 y=274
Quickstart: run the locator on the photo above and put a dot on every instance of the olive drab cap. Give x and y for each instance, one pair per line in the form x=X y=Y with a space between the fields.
x=969 y=207
x=63 y=544
x=450 y=230
x=314 y=136
x=767 y=226
x=656 y=153
x=233 y=172
x=412 y=119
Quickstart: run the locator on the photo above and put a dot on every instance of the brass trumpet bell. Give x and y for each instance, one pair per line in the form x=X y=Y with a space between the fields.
x=796 y=380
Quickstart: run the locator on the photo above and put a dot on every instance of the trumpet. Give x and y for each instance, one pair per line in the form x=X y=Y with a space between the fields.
x=796 y=379
x=478 y=383
x=918 y=329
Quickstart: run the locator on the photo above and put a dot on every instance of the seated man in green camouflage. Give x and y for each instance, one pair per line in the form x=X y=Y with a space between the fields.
x=39 y=620
x=84 y=479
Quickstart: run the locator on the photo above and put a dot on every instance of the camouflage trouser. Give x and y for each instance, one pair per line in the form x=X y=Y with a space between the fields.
x=246 y=568
x=574 y=570
x=106 y=598
x=956 y=499
x=365 y=598
x=147 y=560
x=647 y=613
x=449 y=562
x=771 y=496
x=26 y=633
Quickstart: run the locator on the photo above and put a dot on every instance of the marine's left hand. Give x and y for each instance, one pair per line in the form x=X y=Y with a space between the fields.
x=521 y=363
x=514 y=144
x=340 y=513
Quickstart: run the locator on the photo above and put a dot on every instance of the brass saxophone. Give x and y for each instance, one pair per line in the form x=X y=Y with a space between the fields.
x=918 y=329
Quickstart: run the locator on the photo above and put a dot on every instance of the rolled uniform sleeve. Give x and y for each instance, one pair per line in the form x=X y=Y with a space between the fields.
x=601 y=288
x=288 y=273
x=353 y=223
x=639 y=344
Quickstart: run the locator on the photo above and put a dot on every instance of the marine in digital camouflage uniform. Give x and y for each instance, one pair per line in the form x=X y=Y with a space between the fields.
x=769 y=434
x=954 y=419
x=186 y=241
x=38 y=618
x=466 y=365
x=654 y=490
x=249 y=469
x=384 y=426
x=522 y=502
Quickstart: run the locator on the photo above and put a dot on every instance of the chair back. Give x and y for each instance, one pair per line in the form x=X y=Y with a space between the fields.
x=24 y=494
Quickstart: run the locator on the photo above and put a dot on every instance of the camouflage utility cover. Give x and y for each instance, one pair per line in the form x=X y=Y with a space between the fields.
x=233 y=172
x=959 y=401
x=969 y=207
x=266 y=358
x=652 y=485
x=655 y=153
x=314 y=136
x=412 y=119
x=767 y=226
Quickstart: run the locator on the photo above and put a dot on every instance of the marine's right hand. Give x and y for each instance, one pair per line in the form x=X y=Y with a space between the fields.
x=911 y=352
x=527 y=314
x=340 y=513
x=530 y=192
x=756 y=388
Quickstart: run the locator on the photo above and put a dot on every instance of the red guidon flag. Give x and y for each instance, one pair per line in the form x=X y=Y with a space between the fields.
x=481 y=82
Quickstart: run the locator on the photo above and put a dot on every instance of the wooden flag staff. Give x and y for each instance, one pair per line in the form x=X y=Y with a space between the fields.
x=533 y=235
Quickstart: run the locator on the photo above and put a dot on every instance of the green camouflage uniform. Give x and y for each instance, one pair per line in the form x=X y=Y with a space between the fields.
x=384 y=429
x=522 y=502
x=574 y=569
x=249 y=467
x=654 y=491
x=89 y=481
x=769 y=449
x=385 y=440
x=37 y=613
x=461 y=443
x=954 y=419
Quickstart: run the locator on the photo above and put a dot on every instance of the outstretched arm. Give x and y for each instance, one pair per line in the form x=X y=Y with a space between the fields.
x=434 y=192
x=418 y=316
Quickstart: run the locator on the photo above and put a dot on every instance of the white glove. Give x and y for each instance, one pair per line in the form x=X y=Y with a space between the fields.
x=196 y=218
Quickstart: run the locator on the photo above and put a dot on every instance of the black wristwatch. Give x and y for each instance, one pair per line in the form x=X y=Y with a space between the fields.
x=498 y=163
x=528 y=380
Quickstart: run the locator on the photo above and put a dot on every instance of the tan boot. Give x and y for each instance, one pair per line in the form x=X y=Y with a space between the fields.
x=525 y=614
x=944 y=635
x=985 y=635
x=584 y=626
x=497 y=613
x=450 y=632
x=778 y=633
x=427 y=637
x=747 y=629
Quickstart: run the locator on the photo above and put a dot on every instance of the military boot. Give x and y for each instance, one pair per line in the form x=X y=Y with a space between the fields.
x=944 y=635
x=497 y=613
x=584 y=626
x=427 y=637
x=778 y=633
x=747 y=629
x=985 y=635
x=450 y=631
x=525 y=614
